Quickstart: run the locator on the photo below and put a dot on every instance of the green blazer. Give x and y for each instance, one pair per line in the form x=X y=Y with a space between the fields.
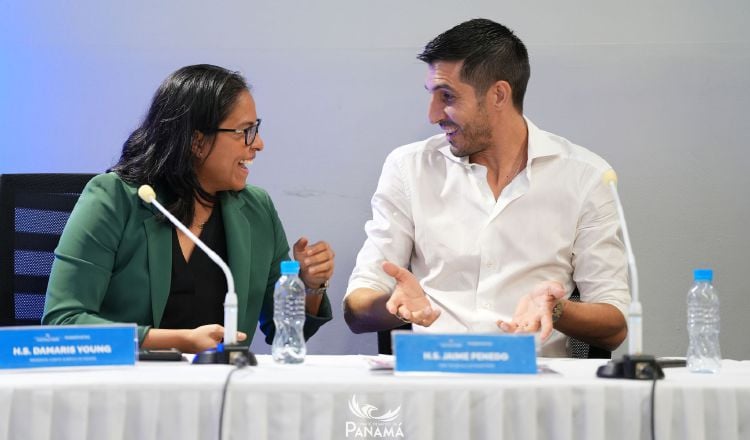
x=114 y=260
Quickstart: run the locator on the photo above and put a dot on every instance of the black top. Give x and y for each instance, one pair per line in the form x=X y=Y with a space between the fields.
x=198 y=287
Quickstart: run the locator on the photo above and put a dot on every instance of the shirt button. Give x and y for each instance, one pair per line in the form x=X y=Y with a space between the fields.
x=487 y=306
x=489 y=265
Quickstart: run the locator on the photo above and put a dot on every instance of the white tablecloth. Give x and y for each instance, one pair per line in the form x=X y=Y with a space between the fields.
x=337 y=397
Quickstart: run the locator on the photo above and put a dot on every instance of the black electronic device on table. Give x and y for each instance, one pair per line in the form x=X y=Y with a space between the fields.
x=640 y=366
x=160 y=355
x=226 y=354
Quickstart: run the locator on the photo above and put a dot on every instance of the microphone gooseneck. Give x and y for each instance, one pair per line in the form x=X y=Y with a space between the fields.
x=147 y=194
x=635 y=313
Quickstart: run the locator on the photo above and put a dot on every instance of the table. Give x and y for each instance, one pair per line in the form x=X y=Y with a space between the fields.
x=338 y=397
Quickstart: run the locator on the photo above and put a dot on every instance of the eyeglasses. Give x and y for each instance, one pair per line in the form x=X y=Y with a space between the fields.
x=250 y=132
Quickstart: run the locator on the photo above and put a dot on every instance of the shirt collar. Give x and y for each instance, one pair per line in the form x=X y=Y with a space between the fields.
x=539 y=143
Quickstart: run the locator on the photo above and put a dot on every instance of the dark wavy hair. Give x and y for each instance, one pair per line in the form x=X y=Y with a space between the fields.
x=490 y=51
x=159 y=152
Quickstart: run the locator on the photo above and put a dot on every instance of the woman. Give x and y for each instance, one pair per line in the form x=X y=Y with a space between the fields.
x=119 y=260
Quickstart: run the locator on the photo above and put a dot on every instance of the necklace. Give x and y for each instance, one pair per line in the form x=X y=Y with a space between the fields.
x=200 y=225
x=517 y=168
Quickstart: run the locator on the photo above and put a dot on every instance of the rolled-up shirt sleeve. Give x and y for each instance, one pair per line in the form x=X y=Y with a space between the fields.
x=599 y=258
x=390 y=232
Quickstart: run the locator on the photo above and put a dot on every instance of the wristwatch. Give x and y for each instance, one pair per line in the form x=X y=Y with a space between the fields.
x=317 y=291
x=557 y=311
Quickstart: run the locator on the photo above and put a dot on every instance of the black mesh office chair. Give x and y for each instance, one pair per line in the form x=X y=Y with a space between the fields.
x=33 y=211
x=578 y=349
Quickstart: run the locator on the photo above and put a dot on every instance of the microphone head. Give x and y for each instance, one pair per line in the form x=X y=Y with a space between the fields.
x=609 y=176
x=146 y=193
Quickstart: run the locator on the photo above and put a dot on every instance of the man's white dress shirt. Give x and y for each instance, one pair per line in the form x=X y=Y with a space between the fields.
x=475 y=256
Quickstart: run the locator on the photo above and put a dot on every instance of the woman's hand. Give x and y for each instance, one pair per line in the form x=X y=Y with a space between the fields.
x=205 y=337
x=316 y=262
x=187 y=340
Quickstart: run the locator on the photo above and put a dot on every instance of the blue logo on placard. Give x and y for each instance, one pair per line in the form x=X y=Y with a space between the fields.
x=47 y=338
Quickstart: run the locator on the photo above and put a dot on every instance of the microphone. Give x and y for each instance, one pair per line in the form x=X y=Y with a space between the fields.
x=635 y=313
x=147 y=194
x=633 y=365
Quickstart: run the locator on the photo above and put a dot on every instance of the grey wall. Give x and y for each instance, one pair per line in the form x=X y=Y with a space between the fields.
x=659 y=89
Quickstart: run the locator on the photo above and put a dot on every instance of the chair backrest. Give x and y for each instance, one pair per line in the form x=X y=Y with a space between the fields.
x=384 y=339
x=33 y=211
x=578 y=349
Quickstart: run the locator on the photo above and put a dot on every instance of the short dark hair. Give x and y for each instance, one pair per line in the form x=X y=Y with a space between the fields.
x=490 y=51
x=159 y=152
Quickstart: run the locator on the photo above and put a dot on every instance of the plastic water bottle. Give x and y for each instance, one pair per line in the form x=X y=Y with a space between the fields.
x=289 y=316
x=704 y=352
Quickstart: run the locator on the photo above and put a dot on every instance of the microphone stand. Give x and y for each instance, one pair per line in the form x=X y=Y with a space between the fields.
x=229 y=351
x=635 y=364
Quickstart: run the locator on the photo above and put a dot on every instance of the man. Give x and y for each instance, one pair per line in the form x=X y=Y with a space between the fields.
x=491 y=225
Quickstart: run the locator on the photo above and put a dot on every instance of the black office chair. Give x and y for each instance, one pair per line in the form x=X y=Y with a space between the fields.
x=384 y=339
x=578 y=349
x=33 y=211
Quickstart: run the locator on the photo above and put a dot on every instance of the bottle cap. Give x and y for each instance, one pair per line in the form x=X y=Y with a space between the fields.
x=289 y=267
x=703 y=275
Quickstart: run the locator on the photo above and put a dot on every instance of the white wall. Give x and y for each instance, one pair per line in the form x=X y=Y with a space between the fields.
x=658 y=88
